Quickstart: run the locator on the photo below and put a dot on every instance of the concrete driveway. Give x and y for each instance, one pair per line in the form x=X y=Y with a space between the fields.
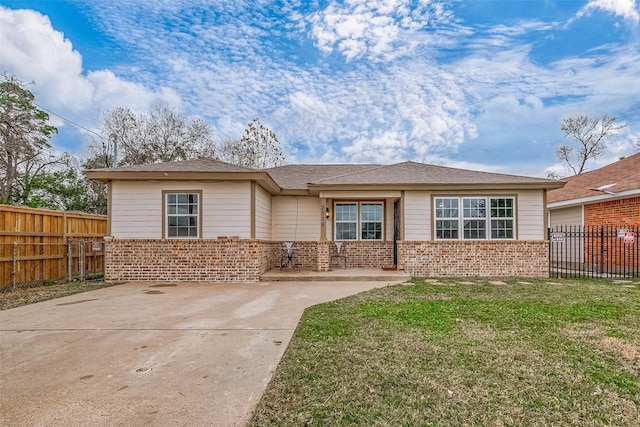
x=144 y=354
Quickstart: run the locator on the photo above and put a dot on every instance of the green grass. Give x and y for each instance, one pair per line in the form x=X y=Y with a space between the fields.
x=442 y=353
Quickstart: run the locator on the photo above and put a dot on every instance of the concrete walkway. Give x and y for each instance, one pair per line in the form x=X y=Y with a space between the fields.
x=144 y=354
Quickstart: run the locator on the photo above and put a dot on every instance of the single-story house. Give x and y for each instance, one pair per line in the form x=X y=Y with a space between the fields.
x=206 y=220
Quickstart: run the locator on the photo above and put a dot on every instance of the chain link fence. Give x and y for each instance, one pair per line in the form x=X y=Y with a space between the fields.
x=28 y=264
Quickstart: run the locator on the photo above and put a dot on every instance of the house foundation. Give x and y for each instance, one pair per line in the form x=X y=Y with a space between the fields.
x=244 y=260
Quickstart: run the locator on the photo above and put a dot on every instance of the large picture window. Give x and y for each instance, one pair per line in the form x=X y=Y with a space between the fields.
x=358 y=221
x=182 y=215
x=480 y=218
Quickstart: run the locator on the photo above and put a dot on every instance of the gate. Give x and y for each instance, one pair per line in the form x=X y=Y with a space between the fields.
x=594 y=251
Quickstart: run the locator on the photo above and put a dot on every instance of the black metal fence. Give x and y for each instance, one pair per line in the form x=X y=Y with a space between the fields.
x=594 y=251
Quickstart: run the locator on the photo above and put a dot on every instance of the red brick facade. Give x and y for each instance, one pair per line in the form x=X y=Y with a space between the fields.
x=615 y=212
x=601 y=220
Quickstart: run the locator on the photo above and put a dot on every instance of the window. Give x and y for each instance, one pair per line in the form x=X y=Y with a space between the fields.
x=346 y=221
x=358 y=221
x=182 y=215
x=502 y=218
x=474 y=214
x=480 y=218
x=371 y=221
x=447 y=227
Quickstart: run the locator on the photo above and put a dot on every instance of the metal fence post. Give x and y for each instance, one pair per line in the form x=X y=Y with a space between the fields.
x=70 y=259
x=14 y=272
x=81 y=259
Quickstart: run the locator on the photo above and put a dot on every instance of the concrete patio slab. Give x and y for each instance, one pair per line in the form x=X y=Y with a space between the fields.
x=151 y=354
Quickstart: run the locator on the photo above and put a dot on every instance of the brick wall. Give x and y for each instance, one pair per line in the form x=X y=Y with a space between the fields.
x=474 y=258
x=614 y=212
x=216 y=260
x=314 y=255
x=307 y=254
x=324 y=250
x=242 y=261
x=363 y=254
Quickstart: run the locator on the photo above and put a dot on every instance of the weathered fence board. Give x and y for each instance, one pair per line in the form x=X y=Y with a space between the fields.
x=40 y=244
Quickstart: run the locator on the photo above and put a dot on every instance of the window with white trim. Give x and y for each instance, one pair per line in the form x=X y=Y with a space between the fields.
x=358 y=221
x=480 y=218
x=371 y=221
x=182 y=215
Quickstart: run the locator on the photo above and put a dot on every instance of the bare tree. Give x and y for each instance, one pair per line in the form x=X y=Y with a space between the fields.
x=24 y=139
x=163 y=135
x=259 y=148
x=591 y=134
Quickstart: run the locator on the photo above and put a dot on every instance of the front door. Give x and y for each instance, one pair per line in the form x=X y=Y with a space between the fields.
x=396 y=230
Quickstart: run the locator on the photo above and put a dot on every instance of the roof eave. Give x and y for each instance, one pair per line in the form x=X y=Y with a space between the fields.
x=317 y=188
x=262 y=178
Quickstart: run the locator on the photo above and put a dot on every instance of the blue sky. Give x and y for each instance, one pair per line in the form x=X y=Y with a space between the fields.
x=481 y=85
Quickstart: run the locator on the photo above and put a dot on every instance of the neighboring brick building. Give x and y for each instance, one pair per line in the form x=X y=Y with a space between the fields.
x=599 y=205
x=606 y=196
x=205 y=220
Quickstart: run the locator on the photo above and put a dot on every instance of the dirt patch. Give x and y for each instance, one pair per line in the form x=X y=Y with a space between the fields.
x=627 y=347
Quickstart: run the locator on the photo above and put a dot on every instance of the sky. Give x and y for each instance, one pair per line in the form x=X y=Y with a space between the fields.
x=480 y=84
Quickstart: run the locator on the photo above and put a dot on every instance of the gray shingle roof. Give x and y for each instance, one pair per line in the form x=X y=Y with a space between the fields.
x=300 y=177
x=419 y=173
x=296 y=177
x=196 y=165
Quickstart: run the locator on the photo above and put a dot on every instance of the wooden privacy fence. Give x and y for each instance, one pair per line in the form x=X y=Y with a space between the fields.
x=37 y=245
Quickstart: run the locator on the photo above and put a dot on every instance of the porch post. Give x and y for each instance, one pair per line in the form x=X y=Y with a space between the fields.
x=323 y=219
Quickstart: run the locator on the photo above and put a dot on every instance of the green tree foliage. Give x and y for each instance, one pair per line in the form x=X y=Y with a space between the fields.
x=259 y=148
x=64 y=189
x=591 y=135
x=24 y=137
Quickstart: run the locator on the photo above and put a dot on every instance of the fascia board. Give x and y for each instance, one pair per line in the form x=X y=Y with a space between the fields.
x=262 y=178
x=593 y=199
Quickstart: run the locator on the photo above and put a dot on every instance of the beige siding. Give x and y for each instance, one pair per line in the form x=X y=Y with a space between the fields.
x=530 y=216
x=566 y=216
x=263 y=214
x=388 y=219
x=295 y=218
x=417 y=215
x=136 y=210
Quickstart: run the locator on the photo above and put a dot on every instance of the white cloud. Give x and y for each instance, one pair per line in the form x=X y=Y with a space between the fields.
x=372 y=28
x=490 y=98
x=34 y=51
x=624 y=8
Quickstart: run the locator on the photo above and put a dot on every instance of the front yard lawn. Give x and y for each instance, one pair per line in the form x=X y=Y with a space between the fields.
x=465 y=352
